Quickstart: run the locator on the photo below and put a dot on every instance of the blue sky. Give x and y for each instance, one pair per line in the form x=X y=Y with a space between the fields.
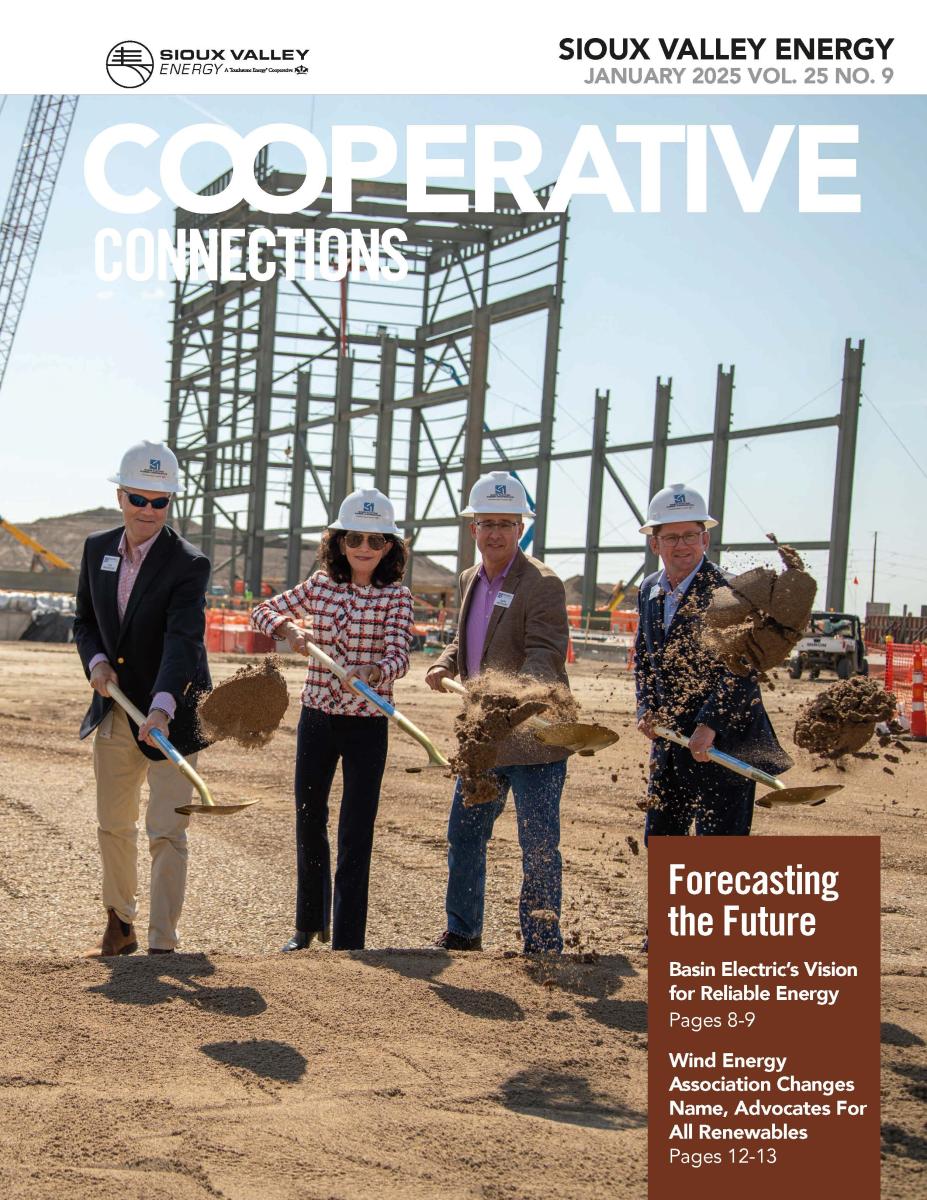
x=774 y=293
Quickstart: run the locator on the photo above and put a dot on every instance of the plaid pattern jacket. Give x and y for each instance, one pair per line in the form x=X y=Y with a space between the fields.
x=354 y=625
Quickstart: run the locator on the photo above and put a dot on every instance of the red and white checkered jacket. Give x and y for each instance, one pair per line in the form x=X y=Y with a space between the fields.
x=354 y=625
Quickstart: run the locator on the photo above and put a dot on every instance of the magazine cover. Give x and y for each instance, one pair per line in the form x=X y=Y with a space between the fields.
x=463 y=602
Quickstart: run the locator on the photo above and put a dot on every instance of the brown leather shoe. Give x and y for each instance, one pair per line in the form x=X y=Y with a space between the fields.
x=118 y=938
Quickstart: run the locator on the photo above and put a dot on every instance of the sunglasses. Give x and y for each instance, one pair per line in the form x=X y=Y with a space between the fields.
x=376 y=541
x=138 y=501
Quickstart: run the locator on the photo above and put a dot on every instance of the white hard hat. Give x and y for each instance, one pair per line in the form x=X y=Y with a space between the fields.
x=677 y=503
x=497 y=492
x=367 y=511
x=149 y=465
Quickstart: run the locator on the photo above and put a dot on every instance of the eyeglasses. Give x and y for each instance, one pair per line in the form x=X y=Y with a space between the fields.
x=376 y=541
x=138 y=501
x=672 y=540
x=497 y=526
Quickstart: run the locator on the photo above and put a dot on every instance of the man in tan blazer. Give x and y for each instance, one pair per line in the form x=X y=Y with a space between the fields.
x=512 y=618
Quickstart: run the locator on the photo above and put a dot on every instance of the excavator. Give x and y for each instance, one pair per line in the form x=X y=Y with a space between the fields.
x=42 y=558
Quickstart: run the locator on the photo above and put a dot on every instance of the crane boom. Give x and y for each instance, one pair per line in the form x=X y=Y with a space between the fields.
x=45 y=556
x=27 y=207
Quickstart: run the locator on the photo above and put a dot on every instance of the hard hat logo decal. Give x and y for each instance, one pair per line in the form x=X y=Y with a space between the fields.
x=500 y=489
x=368 y=506
x=679 y=498
x=154 y=464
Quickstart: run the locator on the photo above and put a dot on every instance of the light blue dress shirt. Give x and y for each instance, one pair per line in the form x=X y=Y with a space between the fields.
x=673 y=596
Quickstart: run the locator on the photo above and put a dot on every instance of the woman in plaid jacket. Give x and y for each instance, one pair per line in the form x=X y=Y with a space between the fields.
x=357 y=610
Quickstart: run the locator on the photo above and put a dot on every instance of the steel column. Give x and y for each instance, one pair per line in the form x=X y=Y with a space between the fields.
x=341 y=436
x=294 y=542
x=263 y=387
x=594 y=511
x=717 y=487
x=476 y=416
x=843 y=479
x=661 y=420
x=384 y=449
x=548 y=401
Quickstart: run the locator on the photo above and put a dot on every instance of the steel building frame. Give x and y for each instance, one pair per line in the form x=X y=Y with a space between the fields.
x=274 y=396
x=845 y=421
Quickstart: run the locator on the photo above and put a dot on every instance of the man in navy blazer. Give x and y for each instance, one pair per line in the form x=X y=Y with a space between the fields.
x=681 y=685
x=140 y=624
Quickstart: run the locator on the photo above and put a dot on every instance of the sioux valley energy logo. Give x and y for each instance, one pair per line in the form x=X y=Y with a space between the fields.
x=129 y=64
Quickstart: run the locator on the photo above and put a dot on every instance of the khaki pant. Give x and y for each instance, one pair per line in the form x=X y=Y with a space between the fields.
x=120 y=768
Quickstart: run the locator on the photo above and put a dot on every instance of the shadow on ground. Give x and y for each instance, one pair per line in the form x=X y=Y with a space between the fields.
x=269 y=1059
x=168 y=977
x=563 y=1096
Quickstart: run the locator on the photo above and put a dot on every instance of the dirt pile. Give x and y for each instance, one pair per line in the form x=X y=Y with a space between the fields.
x=496 y=705
x=753 y=625
x=247 y=708
x=843 y=719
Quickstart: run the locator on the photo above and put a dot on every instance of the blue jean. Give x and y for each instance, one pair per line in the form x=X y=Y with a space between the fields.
x=537 y=790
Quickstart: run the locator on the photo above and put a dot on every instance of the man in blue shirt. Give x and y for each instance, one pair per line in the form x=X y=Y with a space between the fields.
x=681 y=685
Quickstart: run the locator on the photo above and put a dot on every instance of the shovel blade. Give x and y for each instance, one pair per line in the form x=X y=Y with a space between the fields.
x=584 y=739
x=798 y=795
x=220 y=810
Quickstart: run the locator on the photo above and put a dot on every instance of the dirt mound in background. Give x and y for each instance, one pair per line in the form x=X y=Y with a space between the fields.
x=496 y=705
x=247 y=708
x=754 y=624
x=843 y=719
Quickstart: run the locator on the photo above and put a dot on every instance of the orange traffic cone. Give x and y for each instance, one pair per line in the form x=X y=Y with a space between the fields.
x=571 y=653
x=918 y=717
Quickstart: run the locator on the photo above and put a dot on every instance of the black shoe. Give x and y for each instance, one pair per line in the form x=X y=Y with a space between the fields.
x=302 y=941
x=158 y=950
x=456 y=941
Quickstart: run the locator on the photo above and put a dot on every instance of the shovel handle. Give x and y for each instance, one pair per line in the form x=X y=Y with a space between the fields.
x=724 y=760
x=167 y=749
x=436 y=758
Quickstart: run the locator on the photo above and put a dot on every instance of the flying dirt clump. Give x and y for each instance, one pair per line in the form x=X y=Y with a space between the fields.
x=496 y=705
x=247 y=708
x=754 y=623
x=843 y=719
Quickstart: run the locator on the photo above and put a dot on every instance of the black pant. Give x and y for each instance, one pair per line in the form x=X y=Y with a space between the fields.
x=683 y=790
x=360 y=743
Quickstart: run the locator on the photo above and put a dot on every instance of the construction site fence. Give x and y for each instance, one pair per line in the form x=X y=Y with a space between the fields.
x=620 y=620
x=897 y=671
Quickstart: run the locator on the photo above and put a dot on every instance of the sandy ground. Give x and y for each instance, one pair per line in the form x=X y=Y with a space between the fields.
x=232 y=1071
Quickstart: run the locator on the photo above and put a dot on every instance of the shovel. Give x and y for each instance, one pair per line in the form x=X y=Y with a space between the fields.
x=435 y=757
x=780 y=795
x=209 y=805
x=571 y=735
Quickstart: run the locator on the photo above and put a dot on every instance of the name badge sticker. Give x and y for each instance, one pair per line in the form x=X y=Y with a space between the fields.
x=110 y=562
x=504 y=600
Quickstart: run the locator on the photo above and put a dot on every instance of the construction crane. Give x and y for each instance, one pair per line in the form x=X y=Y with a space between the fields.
x=27 y=207
x=41 y=556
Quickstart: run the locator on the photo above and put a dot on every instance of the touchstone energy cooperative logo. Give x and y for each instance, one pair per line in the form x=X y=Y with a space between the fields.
x=129 y=64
